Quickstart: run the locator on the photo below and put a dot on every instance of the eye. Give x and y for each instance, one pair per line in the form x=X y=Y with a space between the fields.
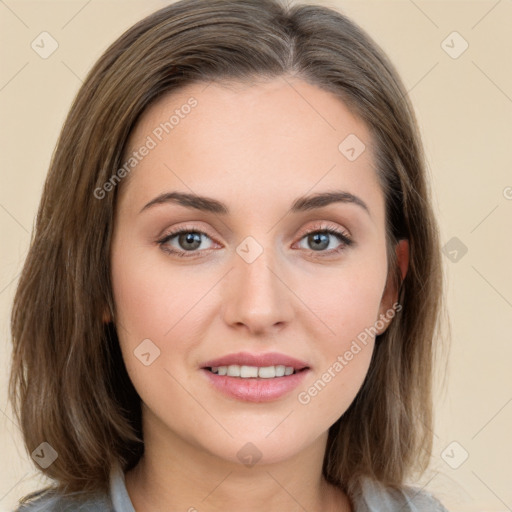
x=188 y=240
x=319 y=238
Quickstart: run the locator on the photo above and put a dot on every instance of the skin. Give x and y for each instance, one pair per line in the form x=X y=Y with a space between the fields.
x=256 y=147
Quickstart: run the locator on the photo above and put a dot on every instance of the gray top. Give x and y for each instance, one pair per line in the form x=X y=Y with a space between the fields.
x=373 y=498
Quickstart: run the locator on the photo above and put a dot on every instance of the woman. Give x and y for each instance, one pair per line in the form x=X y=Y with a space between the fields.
x=232 y=294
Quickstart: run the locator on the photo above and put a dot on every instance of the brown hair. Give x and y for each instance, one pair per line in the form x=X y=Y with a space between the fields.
x=69 y=385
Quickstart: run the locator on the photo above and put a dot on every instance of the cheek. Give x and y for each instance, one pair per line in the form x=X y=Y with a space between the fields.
x=153 y=305
x=150 y=296
x=143 y=305
x=165 y=304
x=344 y=306
x=348 y=306
x=346 y=300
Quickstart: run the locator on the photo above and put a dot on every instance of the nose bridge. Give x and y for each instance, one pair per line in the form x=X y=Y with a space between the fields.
x=256 y=296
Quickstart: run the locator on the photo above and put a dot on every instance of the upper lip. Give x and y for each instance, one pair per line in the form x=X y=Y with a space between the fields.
x=261 y=360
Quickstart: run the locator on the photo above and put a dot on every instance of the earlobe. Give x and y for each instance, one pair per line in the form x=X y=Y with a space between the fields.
x=106 y=318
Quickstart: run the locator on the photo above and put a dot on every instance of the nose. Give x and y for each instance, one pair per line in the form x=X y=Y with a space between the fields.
x=256 y=296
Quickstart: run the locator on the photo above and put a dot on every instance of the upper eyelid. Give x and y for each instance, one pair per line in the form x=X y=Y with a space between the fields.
x=173 y=232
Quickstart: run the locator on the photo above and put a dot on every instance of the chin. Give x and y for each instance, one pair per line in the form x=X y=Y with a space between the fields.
x=255 y=447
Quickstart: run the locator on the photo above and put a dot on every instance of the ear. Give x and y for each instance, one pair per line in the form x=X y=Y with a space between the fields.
x=390 y=295
x=402 y=255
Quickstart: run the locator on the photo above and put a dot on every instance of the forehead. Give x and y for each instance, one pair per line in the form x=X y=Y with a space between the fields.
x=282 y=134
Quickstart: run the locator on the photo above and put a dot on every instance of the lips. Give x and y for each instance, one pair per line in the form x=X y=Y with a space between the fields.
x=260 y=360
x=252 y=388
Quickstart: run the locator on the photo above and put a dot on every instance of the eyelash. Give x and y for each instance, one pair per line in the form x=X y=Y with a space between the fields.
x=343 y=237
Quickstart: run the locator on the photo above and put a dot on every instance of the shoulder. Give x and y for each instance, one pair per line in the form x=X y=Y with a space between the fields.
x=375 y=497
x=421 y=500
x=49 y=501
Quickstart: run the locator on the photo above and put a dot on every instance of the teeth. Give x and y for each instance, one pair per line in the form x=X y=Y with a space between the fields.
x=247 y=372
x=267 y=372
x=281 y=370
x=233 y=370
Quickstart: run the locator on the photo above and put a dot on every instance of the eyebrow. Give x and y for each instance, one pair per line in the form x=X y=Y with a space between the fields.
x=301 y=204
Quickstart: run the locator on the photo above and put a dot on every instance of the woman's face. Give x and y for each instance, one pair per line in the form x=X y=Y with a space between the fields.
x=245 y=276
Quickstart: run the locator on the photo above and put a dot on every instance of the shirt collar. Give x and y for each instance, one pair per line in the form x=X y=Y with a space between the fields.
x=118 y=493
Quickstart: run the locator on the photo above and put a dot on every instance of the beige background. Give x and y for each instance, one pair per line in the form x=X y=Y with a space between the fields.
x=464 y=106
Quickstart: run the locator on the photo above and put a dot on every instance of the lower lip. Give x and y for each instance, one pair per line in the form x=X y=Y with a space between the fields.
x=255 y=389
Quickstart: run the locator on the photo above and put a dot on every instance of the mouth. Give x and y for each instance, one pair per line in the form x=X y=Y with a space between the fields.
x=254 y=384
x=253 y=377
